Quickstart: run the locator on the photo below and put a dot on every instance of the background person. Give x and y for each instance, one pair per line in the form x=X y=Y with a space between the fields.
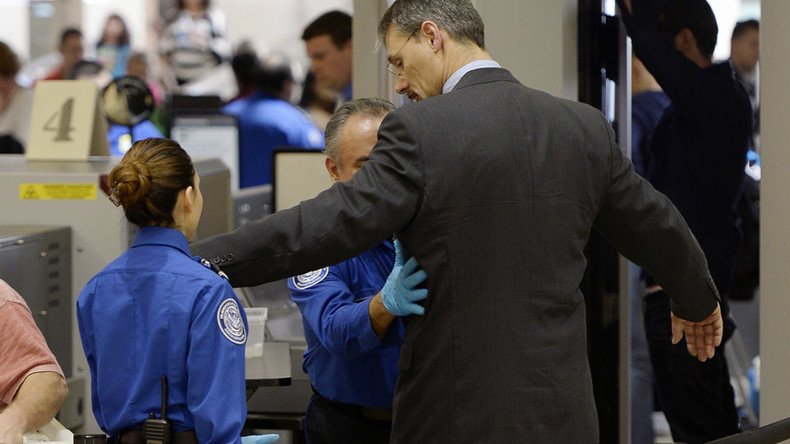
x=194 y=40
x=745 y=58
x=112 y=49
x=32 y=387
x=699 y=153
x=267 y=120
x=329 y=45
x=187 y=322
x=494 y=188
x=71 y=50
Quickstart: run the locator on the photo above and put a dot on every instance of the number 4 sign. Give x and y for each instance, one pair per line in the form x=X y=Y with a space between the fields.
x=67 y=122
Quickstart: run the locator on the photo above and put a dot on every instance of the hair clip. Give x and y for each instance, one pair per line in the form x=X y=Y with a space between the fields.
x=114 y=199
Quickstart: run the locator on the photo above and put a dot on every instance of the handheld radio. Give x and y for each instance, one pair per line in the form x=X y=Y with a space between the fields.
x=158 y=431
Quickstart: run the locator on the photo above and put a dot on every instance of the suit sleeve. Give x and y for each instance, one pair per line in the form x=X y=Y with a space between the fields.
x=339 y=321
x=341 y=222
x=645 y=226
x=215 y=365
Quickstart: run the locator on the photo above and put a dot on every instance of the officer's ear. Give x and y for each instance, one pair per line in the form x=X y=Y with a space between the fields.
x=188 y=199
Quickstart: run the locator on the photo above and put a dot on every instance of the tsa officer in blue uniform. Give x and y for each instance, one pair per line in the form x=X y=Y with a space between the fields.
x=156 y=311
x=349 y=309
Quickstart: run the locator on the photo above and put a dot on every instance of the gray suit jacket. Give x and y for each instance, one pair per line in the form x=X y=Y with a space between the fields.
x=494 y=188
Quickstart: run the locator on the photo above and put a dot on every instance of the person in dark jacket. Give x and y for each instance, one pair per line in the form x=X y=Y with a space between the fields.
x=699 y=154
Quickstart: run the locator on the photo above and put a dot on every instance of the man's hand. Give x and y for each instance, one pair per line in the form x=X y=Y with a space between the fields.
x=400 y=293
x=702 y=337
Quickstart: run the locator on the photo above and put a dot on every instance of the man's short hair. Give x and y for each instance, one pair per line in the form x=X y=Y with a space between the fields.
x=458 y=17
x=741 y=28
x=336 y=24
x=370 y=107
x=695 y=15
x=69 y=33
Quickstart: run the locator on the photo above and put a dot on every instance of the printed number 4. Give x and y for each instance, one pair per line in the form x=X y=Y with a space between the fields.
x=63 y=127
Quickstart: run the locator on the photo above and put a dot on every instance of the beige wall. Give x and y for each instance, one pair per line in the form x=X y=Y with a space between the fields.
x=775 y=208
x=536 y=41
x=370 y=75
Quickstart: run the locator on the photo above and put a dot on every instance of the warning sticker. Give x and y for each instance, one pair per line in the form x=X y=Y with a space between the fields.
x=57 y=191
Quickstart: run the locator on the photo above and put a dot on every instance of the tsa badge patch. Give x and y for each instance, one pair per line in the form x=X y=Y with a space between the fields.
x=230 y=322
x=307 y=280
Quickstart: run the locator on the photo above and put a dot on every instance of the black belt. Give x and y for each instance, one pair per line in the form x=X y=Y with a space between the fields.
x=134 y=436
x=374 y=413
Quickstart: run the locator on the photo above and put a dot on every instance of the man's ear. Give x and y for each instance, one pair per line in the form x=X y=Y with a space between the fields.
x=433 y=33
x=332 y=168
x=686 y=39
x=347 y=46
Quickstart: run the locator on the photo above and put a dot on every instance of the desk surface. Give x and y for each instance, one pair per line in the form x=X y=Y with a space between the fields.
x=271 y=369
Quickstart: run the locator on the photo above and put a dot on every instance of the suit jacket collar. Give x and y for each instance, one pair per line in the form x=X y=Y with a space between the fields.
x=485 y=75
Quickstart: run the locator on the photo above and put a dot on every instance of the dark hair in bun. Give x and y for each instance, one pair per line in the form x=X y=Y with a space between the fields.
x=148 y=179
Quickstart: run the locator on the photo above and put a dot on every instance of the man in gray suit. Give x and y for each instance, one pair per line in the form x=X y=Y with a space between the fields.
x=494 y=188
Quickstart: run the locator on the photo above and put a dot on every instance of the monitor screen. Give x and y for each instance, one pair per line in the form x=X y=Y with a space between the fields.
x=297 y=175
x=214 y=135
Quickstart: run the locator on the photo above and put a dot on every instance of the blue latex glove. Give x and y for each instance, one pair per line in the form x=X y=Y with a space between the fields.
x=400 y=293
x=260 y=439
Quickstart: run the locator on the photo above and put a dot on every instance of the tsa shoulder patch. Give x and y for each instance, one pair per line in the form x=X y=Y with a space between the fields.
x=307 y=280
x=230 y=322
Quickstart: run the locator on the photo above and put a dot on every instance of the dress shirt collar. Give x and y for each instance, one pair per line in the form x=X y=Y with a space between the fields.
x=449 y=85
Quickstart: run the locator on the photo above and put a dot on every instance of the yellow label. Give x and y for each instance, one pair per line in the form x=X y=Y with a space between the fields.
x=57 y=191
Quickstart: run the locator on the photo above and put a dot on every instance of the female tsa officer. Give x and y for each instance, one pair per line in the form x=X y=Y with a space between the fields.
x=158 y=311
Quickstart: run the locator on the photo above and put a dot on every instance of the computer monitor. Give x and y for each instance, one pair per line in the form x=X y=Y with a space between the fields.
x=297 y=175
x=211 y=135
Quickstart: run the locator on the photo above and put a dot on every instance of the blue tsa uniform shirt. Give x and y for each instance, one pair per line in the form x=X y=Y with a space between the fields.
x=345 y=359
x=266 y=123
x=157 y=311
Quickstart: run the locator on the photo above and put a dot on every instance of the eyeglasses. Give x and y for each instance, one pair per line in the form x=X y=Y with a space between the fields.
x=393 y=68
